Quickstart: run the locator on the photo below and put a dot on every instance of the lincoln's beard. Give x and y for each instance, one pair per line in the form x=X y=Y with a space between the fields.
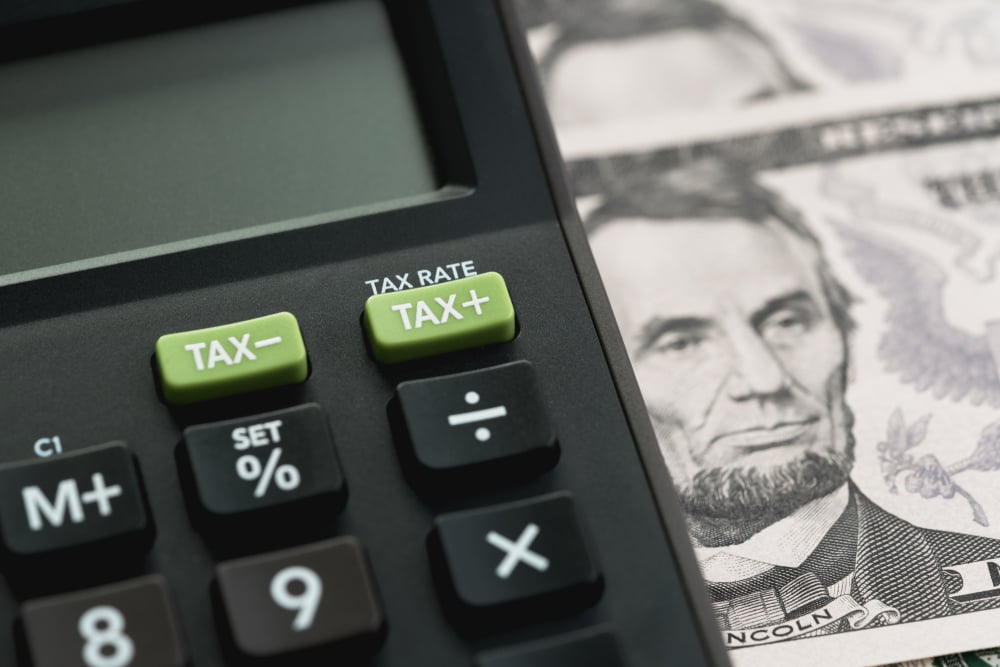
x=749 y=495
x=732 y=503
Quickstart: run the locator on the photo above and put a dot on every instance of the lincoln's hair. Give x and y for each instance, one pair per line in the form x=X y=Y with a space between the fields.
x=587 y=21
x=710 y=190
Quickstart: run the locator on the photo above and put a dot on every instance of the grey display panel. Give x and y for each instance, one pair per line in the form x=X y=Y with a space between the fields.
x=203 y=135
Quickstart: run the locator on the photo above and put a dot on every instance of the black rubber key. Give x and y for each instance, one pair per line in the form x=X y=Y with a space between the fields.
x=514 y=563
x=128 y=624
x=485 y=426
x=320 y=596
x=275 y=465
x=86 y=500
x=590 y=648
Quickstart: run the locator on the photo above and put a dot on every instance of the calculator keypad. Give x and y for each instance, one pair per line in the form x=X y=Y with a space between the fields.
x=318 y=596
x=129 y=624
x=84 y=499
x=283 y=459
x=515 y=562
x=474 y=427
x=276 y=475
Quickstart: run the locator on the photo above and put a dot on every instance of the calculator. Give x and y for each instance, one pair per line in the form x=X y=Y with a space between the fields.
x=303 y=357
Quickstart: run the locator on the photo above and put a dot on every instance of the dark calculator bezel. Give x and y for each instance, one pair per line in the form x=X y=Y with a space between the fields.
x=504 y=200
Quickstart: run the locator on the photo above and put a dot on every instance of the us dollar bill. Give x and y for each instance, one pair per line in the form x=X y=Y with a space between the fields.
x=988 y=658
x=795 y=209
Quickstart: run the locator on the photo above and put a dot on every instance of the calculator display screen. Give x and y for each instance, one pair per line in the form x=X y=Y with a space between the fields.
x=205 y=134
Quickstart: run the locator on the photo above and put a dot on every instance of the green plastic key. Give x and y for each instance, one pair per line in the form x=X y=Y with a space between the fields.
x=432 y=320
x=231 y=359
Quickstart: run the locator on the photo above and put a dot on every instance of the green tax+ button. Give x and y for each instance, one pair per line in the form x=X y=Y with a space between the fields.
x=441 y=318
x=231 y=359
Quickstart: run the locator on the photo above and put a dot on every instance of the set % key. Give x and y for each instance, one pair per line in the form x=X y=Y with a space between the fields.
x=272 y=462
x=284 y=476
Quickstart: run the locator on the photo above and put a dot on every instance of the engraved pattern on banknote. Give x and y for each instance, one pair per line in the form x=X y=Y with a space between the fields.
x=926 y=475
x=919 y=343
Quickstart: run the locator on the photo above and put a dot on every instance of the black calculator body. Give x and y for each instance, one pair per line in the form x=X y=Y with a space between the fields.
x=126 y=543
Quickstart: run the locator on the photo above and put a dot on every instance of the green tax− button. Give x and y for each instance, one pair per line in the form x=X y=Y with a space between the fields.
x=231 y=359
x=441 y=318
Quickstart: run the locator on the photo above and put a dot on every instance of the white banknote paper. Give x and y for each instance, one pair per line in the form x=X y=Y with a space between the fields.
x=795 y=208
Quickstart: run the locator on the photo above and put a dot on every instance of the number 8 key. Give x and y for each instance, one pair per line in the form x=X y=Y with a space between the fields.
x=128 y=624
